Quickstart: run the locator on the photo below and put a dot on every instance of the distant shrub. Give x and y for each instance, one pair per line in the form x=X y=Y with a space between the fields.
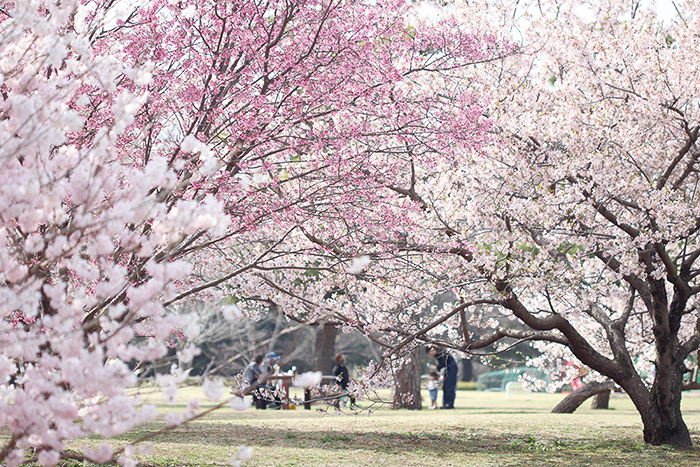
x=466 y=385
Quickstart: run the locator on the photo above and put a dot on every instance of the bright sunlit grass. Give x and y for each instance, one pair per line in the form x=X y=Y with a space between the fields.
x=484 y=430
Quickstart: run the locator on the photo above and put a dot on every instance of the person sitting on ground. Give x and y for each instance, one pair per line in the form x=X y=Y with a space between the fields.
x=250 y=375
x=342 y=376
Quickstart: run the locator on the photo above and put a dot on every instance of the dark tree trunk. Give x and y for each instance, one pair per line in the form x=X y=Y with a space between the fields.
x=659 y=408
x=407 y=388
x=467 y=370
x=324 y=348
x=663 y=422
x=662 y=419
x=574 y=400
x=601 y=401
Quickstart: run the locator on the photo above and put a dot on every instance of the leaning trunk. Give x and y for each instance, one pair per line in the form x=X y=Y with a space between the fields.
x=572 y=402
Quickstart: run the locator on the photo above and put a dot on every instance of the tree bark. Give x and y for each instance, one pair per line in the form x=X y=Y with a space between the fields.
x=662 y=419
x=467 y=369
x=601 y=401
x=324 y=348
x=574 y=400
x=663 y=422
x=407 y=386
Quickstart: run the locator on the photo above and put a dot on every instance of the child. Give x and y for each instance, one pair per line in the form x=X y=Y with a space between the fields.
x=433 y=384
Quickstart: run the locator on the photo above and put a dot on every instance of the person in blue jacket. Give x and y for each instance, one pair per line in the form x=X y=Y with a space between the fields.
x=449 y=382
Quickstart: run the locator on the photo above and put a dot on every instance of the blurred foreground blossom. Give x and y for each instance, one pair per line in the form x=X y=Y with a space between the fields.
x=174 y=419
x=213 y=389
x=310 y=378
x=241 y=403
x=231 y=312
x=358 y=264
x=100 y=455
x=193 y=407
x=245 y=452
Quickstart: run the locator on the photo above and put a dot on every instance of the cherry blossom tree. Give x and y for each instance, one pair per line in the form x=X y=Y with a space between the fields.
x=86 y=240
x=593 y=193
x=579 y=219
x=156 y=151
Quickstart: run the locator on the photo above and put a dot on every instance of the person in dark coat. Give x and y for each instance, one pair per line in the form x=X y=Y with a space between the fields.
x=342 y=375
x=449 y=382
x=251 y=374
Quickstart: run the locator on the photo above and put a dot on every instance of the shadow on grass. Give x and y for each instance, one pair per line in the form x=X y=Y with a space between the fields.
x=513 y=449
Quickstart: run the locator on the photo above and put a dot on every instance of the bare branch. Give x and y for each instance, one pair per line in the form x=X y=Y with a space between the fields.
x=437 y=322
x=228 y=276
x=621 y=322
x=523 y=335
x=676 y=160
x=671 y=270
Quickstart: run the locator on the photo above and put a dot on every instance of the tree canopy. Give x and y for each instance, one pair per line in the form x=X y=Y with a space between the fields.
x=346 y=162
x=578 y=218
x=159 y=151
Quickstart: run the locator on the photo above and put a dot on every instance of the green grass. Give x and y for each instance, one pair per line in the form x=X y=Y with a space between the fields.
x=484 y=430
x=466 y=385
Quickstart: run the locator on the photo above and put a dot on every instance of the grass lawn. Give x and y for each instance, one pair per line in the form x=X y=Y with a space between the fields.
x=484 y=430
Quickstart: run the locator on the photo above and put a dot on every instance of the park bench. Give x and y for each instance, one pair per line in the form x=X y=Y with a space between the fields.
x=285 y=383
x=517 y=386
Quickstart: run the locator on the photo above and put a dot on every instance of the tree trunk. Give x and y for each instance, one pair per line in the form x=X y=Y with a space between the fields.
x=662 y=418
x=663 y=421
x=324 y=348
x=601 y=401
x=467 y=370
x=666 y=427
x=407 y=386
x=574 y=400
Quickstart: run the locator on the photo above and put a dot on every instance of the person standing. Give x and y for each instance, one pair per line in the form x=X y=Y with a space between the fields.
x=342 y=375
x=448 y=365
x=433 y=385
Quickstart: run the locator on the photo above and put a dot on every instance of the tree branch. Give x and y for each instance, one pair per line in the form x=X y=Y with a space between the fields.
x=437 y=322
x=238 y=271
x=523 y=335
x=671 y=270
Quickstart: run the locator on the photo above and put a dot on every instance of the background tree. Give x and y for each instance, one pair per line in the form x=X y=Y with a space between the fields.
x=157 y=152
x=324 y=348
x=580 y=220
